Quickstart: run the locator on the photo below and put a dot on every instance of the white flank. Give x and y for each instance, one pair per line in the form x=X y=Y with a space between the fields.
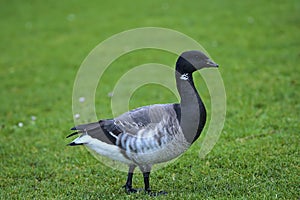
x=102 y=148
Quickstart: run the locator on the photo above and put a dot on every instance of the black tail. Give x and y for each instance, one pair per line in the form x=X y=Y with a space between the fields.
x=103 y=130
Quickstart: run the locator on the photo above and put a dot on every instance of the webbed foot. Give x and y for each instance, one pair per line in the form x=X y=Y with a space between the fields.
x=155 y=193
x=130 y=190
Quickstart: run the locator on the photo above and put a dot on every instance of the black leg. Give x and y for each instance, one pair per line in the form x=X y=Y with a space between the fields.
x=146 y=181
x=128 y=185
x=146 y=174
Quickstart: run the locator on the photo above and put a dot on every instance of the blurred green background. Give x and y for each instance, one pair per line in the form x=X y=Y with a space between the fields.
x=256 y=44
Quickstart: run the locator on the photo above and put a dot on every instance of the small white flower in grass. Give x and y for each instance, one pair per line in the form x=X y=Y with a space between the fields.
x=33 y=118
x=81 y=99
x=77 y=116
x=110 y=94
x=20 y=124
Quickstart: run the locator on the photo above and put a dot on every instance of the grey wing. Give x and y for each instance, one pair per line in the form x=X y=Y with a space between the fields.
x=146 y=117
x=148 y=127
x=137 y=129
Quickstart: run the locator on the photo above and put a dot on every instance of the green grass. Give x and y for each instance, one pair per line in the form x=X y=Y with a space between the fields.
x=256 y=44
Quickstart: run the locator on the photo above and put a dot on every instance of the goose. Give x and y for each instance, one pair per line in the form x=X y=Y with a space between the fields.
x=155 y=133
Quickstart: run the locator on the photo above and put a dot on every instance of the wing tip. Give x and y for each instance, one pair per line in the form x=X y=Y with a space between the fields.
x=74 y=144
x=72 y=134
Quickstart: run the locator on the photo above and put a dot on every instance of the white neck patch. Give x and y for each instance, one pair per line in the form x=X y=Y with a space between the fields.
x=184 y=76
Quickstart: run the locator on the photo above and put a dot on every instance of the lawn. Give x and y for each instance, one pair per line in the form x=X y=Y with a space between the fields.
x=256 y=43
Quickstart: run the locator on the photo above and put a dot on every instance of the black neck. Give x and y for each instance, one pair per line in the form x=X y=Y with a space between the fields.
x=193 y=113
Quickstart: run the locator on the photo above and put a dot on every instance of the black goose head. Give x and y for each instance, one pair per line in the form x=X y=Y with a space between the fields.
x=190 y=61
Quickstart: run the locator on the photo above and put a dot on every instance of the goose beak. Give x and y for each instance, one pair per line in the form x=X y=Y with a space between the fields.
x=210 y=63
x=215 y=65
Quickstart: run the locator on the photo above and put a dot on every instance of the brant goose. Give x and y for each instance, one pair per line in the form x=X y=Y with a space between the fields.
x=152 y=134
